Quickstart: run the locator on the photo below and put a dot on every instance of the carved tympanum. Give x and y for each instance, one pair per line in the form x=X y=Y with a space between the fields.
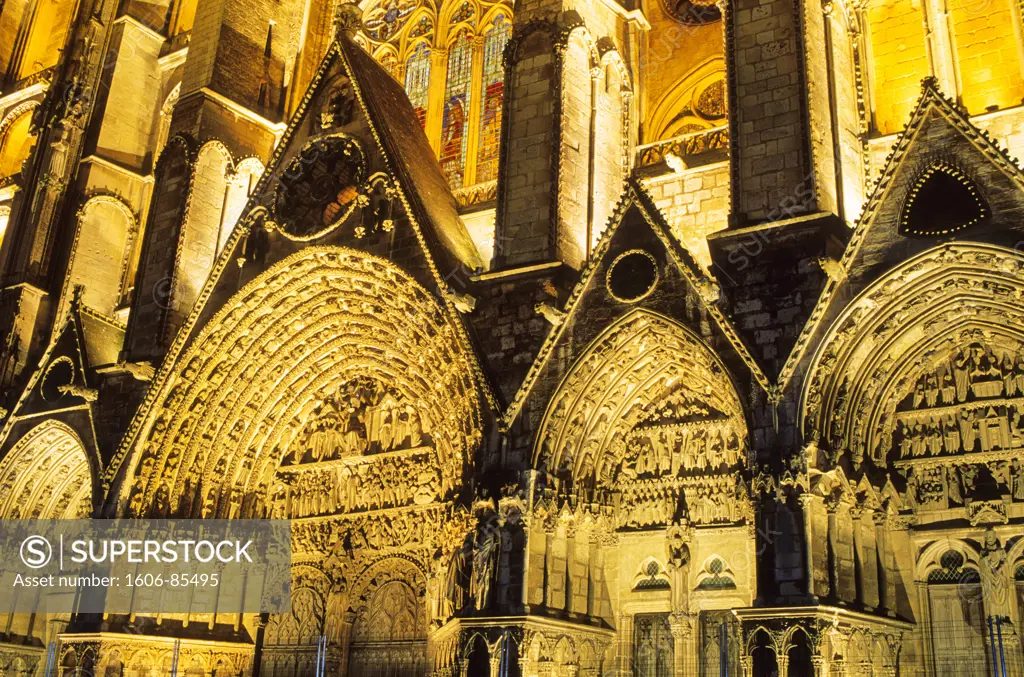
x=648 y=417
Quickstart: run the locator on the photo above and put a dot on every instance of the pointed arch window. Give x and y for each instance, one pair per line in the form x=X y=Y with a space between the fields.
x=417 y=80
x=449 y=55
x=457 y=93
x=390 y=63
x=492 y=93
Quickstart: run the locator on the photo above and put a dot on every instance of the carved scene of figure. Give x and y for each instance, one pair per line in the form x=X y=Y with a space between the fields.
x=1017 y=479
x=334 y=621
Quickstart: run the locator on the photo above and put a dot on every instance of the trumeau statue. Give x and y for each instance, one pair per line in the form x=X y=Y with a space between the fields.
x=337 y=604
x=486 y=549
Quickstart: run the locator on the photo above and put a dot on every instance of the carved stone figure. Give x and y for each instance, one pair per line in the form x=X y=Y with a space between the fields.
x=678 y=551
x=1017 y=479
x=486 y=548
x=992 y=550
x=334 y=621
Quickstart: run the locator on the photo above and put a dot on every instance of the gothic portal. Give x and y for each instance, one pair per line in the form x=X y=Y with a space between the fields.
x=575 y=339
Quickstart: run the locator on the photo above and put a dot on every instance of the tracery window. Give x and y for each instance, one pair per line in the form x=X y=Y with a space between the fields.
x=456 y=109
x=720 y=645
x=957 y=617
x=492 y=93
x=417 y=80
x=653 y=646
x=450 y=61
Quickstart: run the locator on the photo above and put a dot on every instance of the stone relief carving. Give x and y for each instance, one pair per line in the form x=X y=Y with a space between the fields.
x=971 y=402
x=360 y=417
x=956 y=370
x=946 y=415
x=626 y=428
x=214 y=444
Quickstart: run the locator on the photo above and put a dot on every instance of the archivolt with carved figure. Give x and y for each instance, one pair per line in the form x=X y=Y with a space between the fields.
x=649 y=413
x=46 y=475
x=332 y=371
x=927 y=363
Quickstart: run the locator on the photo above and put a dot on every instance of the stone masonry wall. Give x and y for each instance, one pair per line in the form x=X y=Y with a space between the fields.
x=851 y=151
x=201 y=230
x=695 y=202
x=900 y=60
x=822 y=148
x=239 y=47
x=767 y=107
x=608 y=149
x=988 y=55
x=131 y=97
x=574 y=165
x=11 y=15
x=524 y=219
x=146 y=329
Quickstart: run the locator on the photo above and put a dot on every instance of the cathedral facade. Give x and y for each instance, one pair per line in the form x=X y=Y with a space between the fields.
x=573 y=337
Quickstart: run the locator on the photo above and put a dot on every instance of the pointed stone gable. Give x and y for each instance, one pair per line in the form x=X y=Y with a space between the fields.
x=638 y=264
x=353 y=169
x=939 y=136
x=60 y=388
x=61 y=380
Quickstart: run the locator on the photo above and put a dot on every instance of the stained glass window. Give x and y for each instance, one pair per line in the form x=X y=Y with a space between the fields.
x=417 y=80
x=463 y=13
x=456 y=110
x=422 y=27
x=390 y=63
x=492 y=93
x=385 y=22
x=469 y=91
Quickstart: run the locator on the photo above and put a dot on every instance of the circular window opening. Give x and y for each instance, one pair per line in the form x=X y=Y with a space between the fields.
x=632 y=276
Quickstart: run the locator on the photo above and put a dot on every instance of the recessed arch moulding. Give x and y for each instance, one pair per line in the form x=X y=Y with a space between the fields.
x=46 y=475
x=925 y=364
x=644 y=380
x=312 y=375
x=647 y=432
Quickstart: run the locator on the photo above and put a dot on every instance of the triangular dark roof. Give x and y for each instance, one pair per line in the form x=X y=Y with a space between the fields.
x=67 y=344
x=415 y=163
